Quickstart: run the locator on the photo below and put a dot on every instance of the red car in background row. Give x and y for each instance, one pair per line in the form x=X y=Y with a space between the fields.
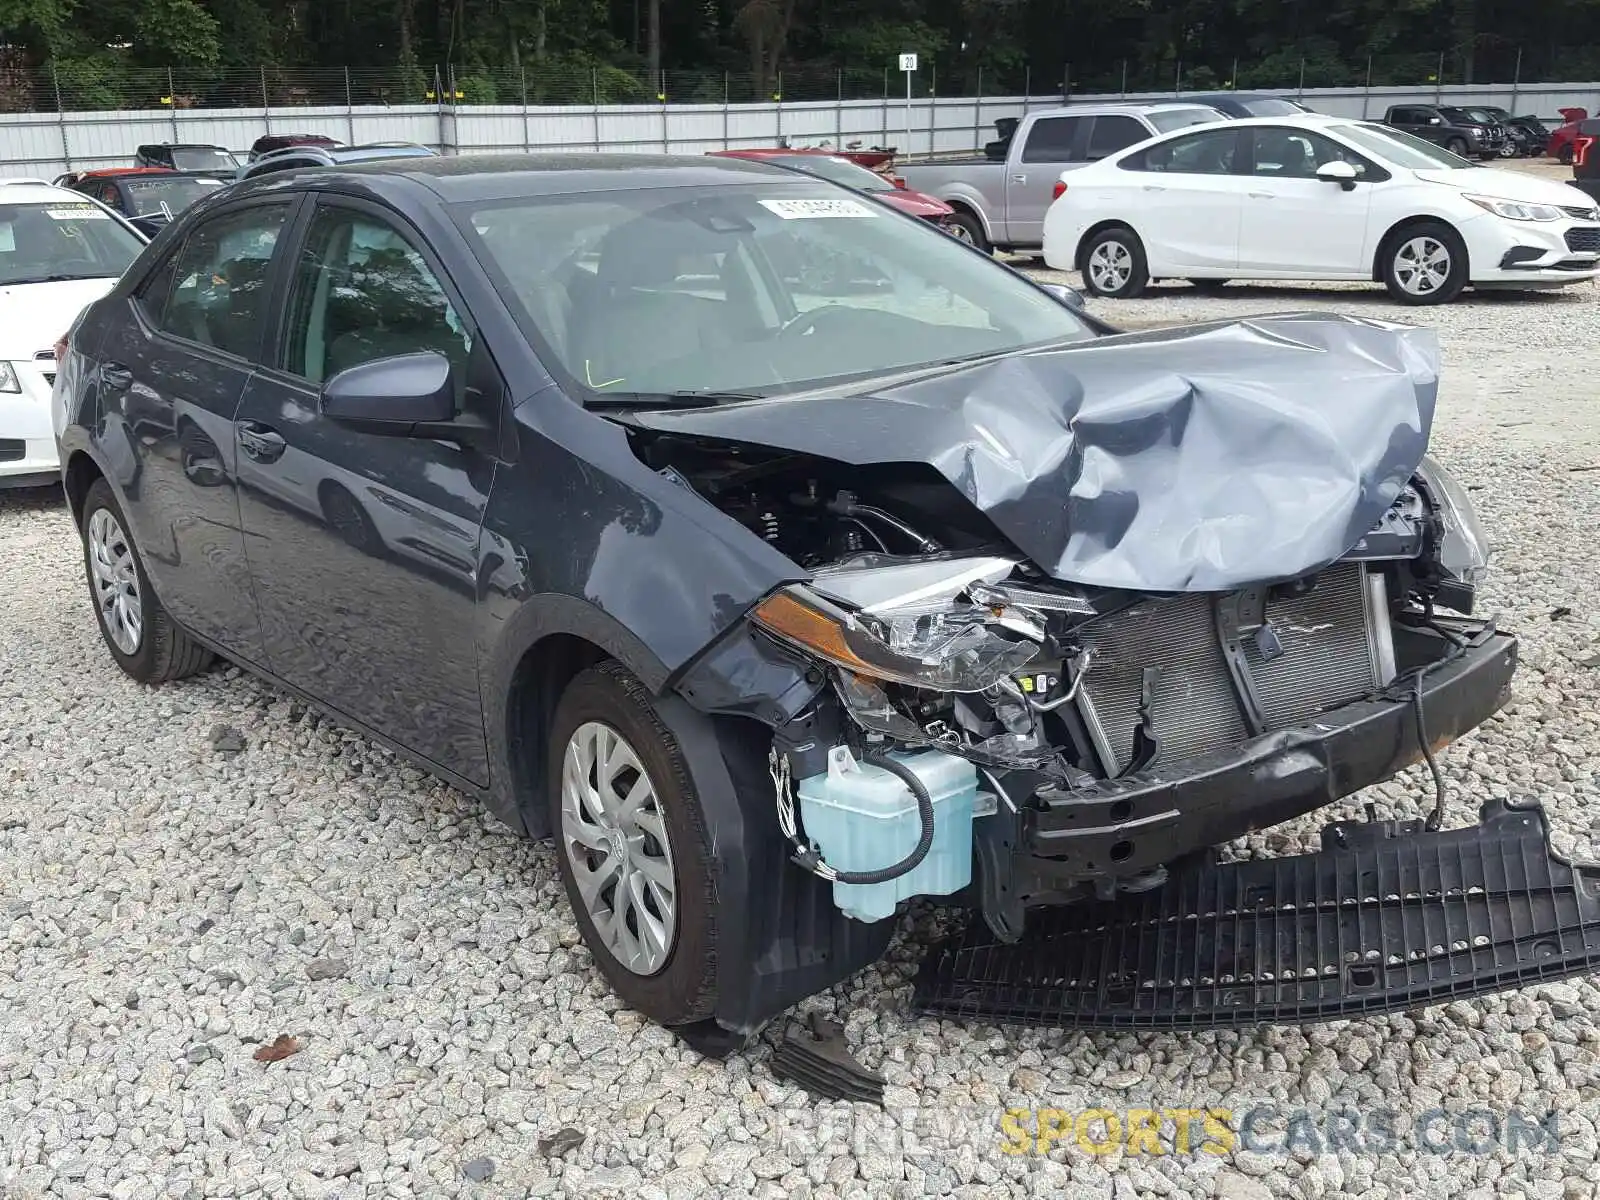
x=1560 y=144
x=837 y=169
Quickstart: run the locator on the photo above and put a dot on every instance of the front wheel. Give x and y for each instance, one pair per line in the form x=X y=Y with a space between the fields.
x=1425 y=264
x=1114 y=264
x=1457 y=146
x=632 y=847
x=143 y=639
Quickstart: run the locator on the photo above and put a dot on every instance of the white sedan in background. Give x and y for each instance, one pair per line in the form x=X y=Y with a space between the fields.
x=1316 y=197
x=59 y=250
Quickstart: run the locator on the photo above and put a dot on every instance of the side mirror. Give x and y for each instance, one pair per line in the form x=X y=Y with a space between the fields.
x=1435 y=120
x=1338 y=172
x=1069 y=296
x=408 y=395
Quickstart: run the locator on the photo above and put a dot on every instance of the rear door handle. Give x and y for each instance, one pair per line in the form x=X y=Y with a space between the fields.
x=115 y=375
x=1019 y=179
x=1151 y=187
x=1261 y=195
x=260 y=443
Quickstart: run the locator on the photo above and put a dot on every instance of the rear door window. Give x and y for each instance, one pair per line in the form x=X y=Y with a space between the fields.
x=1052 y=140
x=219 y=280
x=1111 y=133
x=1214 y=152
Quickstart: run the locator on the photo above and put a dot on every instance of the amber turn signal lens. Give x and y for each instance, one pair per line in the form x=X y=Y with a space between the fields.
x=786 y=616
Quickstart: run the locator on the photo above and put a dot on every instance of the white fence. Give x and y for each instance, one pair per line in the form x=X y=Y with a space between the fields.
x=49 y=143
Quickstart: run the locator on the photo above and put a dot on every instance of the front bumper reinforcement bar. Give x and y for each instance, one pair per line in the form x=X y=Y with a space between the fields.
x=1384 y=917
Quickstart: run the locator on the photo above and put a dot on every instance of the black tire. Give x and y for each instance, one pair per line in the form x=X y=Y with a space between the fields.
x=349 y=520
x=973 y=228
x=163 y=651
x=1209 y=285
x=1405 y=242
x=1137 y=275
x=1457 y=146
x=682 y=990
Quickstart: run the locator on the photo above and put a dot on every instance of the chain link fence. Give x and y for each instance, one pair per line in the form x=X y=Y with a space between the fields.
x=98 y=86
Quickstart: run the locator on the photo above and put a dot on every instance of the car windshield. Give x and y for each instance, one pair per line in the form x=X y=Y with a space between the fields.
x=1167 y=119
x=62 y=239
x=753 y=289
x=838 y=170
x=156 y=193
x=1402 y=149
x=203 y=158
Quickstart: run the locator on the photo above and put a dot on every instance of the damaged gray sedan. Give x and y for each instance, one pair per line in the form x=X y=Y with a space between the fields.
x=785 y=560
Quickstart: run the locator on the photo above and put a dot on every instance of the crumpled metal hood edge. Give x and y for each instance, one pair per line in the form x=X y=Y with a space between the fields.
x=1200 y=458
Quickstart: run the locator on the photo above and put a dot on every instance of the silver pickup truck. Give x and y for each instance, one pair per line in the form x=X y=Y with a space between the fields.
x=1000 y=198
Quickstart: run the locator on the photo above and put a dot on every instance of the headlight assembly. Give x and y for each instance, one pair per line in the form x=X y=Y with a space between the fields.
x=1463 y=546
x=1517 y=210
x=925 y=637
x=8 y=378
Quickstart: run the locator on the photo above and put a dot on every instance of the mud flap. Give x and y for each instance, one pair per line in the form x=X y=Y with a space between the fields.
x=1386 y=916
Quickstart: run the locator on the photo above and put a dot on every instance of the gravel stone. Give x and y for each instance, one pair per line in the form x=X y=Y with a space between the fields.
x=477 y=1024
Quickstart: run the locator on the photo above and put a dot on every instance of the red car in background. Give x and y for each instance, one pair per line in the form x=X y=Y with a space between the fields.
x=1560 y=144
x=836 y=169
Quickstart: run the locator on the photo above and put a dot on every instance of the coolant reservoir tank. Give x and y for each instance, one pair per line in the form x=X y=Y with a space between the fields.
x=863 y=818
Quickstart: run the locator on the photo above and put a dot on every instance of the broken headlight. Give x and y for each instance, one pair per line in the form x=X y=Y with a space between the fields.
x=906 y=623
x=1463 y=546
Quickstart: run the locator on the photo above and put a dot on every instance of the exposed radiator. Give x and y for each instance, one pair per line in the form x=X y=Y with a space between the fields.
x=1333 y=647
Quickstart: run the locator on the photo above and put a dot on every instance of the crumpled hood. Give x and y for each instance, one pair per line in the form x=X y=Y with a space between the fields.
x=1194 y=459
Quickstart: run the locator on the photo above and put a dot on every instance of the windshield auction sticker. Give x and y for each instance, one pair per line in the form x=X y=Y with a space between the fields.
x=78 y=212
x=799 y=210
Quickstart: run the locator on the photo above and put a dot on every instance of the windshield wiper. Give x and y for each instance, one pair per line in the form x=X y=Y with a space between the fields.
x=687 y=399
x=47 y=279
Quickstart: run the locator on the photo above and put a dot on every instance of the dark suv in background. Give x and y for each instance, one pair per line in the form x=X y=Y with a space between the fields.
x=1453 y=128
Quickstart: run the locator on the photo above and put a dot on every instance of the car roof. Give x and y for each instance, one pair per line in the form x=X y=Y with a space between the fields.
x=488 y=177
x=117 y=172
x=25 y=191
x=1121 y=106
x=183 y=146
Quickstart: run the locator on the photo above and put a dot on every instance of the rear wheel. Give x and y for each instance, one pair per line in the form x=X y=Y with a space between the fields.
x=1114 y=264
x=969 y=229
x=632 y=847
x=143 y=639
x=1425 y=264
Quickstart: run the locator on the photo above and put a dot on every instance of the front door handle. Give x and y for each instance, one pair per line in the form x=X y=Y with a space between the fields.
x=1151 y=187
x=1261 y=195
x=116 y=376
x=1019 y=179
x=260 y=443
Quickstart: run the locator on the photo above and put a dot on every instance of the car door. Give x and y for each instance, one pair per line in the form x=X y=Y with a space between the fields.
x=1294 y=222
x=363 y=546
x=1051 y=145
x=173 y=366
x=1190 y=200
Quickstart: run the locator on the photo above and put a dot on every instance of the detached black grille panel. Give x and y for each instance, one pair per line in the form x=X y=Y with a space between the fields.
x=1383 y=918
x=1584 y=239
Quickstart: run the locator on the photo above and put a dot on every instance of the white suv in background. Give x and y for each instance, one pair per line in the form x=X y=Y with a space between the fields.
x=1316 y=197
x=59 y=250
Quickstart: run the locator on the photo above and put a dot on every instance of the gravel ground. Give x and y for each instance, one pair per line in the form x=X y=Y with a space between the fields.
x=167 y=910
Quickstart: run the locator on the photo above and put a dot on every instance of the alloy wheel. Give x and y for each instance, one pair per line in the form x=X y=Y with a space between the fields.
x=116 y=581
x=1110 y=266
x=614 y=835
x=1422 y=265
